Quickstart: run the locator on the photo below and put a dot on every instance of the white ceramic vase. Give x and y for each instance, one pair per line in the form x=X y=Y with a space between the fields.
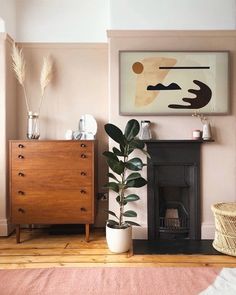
x=206 y=131
x=119 y=240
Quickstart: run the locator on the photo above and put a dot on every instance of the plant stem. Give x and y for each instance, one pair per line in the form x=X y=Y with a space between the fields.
x=26 y=99
x=122 y=193
x=40 y=104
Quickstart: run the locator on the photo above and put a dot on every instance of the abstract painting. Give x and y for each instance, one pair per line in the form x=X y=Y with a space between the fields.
x=172 y=83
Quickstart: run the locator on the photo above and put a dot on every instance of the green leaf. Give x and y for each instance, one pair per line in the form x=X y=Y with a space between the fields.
x=115 y=133
x=118 y=201
x=110 y=155
x=111 y=213
x=112 y=222
x=135 y=164
x=130 y=213
x=130 y=150
x=117 y=167
x=137 y=143
x=133 y=175
x=132 y=198
x=111 y=175
x=131 y=223
x=117 y=152
x=113 y=186
x=138 y=182
x=131 y=129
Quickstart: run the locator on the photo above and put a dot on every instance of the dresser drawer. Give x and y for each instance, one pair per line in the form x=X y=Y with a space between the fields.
x=24 y=179
x=52 y=210
x=38 y=155
x=26 y=194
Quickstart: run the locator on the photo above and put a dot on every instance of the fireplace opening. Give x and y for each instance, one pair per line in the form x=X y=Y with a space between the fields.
x=173 y=213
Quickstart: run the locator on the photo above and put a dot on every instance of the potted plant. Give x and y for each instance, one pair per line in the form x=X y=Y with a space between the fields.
x=124 y=177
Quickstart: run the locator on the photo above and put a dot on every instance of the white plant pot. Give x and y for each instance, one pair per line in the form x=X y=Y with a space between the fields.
x=119 y=239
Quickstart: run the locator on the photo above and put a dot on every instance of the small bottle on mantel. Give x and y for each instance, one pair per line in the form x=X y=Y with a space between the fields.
x=145 y=131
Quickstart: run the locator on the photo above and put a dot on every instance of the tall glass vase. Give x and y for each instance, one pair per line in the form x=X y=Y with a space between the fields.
x=33 y=126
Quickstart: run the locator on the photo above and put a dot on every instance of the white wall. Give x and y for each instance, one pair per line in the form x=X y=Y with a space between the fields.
x=8 y=14
x=172 y=14
x=61 y=20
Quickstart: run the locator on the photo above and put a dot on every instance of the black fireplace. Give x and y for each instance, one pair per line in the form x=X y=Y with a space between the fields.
x=173 y=189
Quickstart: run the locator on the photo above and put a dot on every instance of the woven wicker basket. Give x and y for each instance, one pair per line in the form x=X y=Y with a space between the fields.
x=225 y=223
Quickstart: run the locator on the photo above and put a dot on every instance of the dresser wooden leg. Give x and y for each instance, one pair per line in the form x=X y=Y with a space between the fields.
x=18 y=233
x=87 y=232
x=30 y=227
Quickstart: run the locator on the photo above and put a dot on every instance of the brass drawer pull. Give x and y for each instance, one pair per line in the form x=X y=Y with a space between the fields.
x=21 y=210
x=83 y=209
x=83 y=156
x=20 y=146
x=83 y=173
x=21 y=193
x=21 y=174
x=83 y=145
x=20 y=157
x=82 y=191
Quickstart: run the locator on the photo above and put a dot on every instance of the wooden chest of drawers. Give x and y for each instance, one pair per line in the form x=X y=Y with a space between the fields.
x=52 y=182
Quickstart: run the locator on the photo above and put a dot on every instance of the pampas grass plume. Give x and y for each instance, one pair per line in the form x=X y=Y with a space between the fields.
x=46 y=74
x=18 y=63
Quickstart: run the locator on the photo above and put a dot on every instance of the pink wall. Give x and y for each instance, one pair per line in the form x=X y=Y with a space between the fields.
x=218 y=158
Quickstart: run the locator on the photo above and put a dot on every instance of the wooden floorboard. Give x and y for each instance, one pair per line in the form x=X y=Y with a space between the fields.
x=38 y=249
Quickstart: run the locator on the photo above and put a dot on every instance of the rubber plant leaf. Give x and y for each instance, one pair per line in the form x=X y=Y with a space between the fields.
x=133 y=175
x=131 y=129
x=135 y=164
x=132 y=223
x=111 y=175
x=111 y=213
x=113 y=186
x=130 y=213
x=117 y=152
x=115 y=133
x=138 y=182
x=131 y=198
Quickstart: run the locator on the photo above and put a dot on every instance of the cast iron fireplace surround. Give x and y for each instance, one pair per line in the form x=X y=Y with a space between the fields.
x=173 y=174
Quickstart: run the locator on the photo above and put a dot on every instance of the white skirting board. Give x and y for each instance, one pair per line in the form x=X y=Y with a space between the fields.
x=5 y=228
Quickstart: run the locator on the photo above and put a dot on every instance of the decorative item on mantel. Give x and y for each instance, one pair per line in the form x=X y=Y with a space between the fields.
x=145 y=131
x=206 y=127
x=18 y=63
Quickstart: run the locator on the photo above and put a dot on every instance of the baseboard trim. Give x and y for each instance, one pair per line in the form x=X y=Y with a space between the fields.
x=5 y=228
x=208 y=230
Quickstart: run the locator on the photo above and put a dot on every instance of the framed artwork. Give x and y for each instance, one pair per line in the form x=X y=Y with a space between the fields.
x=172 y=83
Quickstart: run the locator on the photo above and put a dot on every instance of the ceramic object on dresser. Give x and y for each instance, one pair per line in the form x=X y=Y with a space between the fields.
x=125 y=181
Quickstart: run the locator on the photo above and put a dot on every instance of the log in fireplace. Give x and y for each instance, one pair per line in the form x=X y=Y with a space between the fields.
x=173 y=174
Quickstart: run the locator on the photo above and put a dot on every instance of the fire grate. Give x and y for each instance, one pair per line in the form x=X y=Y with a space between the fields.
x=174 y=225
x=174 y=218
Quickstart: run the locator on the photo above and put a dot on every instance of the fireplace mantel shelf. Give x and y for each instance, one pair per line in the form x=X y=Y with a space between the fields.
x=177 y=140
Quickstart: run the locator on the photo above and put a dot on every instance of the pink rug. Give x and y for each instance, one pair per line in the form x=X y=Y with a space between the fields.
x=109 y=280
